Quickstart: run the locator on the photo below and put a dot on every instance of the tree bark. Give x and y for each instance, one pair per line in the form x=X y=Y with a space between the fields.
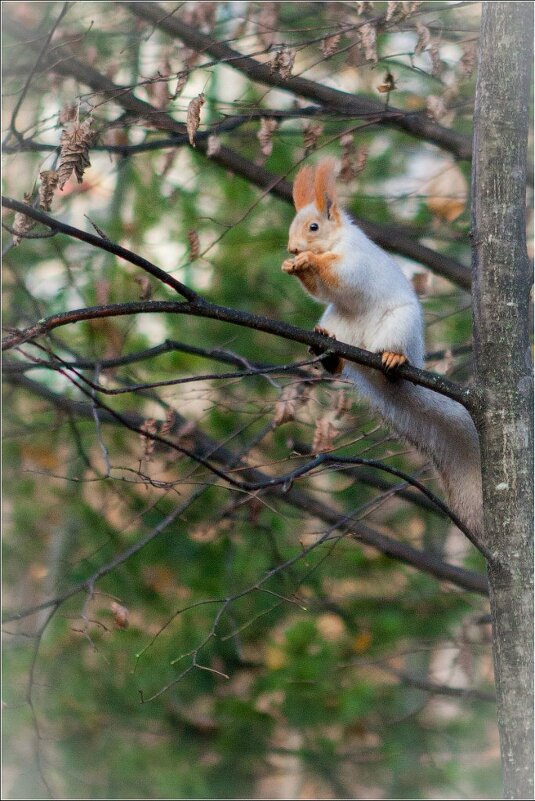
x=501 y=285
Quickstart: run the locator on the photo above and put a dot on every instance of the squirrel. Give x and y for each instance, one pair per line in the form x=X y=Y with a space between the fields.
x=371 y=305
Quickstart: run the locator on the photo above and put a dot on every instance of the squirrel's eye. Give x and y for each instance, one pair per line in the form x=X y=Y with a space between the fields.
x=313 y=226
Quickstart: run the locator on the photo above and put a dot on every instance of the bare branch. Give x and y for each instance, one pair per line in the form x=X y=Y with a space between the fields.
x=40 y=58
x=415 y=123
x=421 y=560
x=440 y=689
x=103 y=244
x=210 y=310
x=390 y=237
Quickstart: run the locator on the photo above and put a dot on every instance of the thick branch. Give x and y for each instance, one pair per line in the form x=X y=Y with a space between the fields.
x=210 y=310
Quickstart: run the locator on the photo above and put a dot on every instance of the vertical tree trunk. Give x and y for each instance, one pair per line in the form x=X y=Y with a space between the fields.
x=502 y=279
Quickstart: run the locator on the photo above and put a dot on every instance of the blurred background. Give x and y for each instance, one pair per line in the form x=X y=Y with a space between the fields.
x=169 y=635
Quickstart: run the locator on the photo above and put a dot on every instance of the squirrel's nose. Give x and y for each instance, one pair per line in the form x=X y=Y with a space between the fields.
x=295 y=251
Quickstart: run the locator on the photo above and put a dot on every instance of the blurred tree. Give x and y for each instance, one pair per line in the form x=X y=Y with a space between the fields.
x=225 y=577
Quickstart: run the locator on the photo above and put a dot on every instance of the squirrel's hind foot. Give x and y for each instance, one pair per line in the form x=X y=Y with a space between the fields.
x=332 y=363
x=391 y=360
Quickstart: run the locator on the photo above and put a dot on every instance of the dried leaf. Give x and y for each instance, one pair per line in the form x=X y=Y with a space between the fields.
x=148 y=429
x=392 y=8
x=185 y=437
x=388 y=85
x=120 y=615
x=49 y=182
x=194 y=244
x=421 y=284
x=447 y=194
x=353 y=160
x=283 y=62
x=424 y=37
x=446 y=365
x=201 y=15
x=436 y=107
x=329 y=45
x=21 y=223
x=206 y=14
x=398 y=11
x=267 y=22
x=293 y=397
x=145 y=286
x=437 y=66
x=346 y=163
x=214 y=145
x=368 y=42
x=324 y=434
x=181 y=81
x=193 y=117
x=469 y=59
x=170 y=419
x=311 y=133
x=74 y=154
x=69 y=113
x=343 y=404
x=361 y=158
x=265 y=135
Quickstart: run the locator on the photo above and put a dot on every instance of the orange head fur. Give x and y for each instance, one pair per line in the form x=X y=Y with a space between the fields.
x=318 y=223
x=325 y=186
x=303 y=188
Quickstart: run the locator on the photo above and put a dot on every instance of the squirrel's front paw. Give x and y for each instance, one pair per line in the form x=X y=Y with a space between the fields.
x=288 y=266
x=303 y=261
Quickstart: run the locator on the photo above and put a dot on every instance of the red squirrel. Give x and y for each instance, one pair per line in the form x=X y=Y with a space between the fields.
x=370 y=304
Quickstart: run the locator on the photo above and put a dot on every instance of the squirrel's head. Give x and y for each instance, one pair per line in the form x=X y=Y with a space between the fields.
x=318 y=222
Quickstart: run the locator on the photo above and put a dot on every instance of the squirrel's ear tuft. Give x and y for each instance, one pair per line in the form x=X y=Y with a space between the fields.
x=325 y=186
x=303 y=188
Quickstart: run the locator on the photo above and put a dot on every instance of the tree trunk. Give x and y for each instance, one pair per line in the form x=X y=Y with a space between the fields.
x=501 y=285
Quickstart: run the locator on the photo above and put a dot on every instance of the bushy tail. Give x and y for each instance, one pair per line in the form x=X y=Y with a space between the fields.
x=439 y=428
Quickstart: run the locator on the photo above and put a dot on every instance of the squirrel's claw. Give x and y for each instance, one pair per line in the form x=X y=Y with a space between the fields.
x=390 y=359
x=319 y=329
x=332 y=363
